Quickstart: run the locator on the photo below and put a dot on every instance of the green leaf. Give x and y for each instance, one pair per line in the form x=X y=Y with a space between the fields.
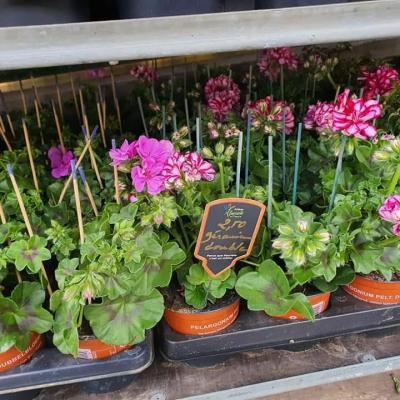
x=65 y=270
x=302 y=305
x=124 y=320
x=195 y=296
x=344 y=276
x=127 y=213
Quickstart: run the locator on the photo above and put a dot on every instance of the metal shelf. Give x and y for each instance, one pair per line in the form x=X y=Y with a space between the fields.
x=69 y=44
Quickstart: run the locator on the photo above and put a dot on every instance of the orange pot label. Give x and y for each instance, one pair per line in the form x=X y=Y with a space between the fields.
x=202 y=323
x=319 y=303
x=13 y=357
x=374 y=292
x=227 y=234
x=94 y=349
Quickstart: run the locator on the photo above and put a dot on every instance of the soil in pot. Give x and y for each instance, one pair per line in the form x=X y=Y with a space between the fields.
x=190 y=321
x=319 y=303
x=13 y=357
x=91 y=348
x=373 y=288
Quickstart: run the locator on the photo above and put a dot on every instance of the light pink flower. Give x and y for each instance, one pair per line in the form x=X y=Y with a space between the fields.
x=148 y=177
x=390 y=210
x=354 y=116
x=143 y=73
x=132 y=198
x=96 y=73
x=197 y=169
x=378 y=82
x=127 y=151
x=270 y=61
x=173 y=171
x=319 y=117
x=388 y=137
x=60 y=162
x=87 y=295
x=222 y=95
x=396 y=229
x=153 y=150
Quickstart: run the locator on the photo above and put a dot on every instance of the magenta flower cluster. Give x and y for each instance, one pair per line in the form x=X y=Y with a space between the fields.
x=271 y=61
x=378 y=82
x=222 y=95
x=319 y=117
x=158 y=167
x=60 y=162
x=143 y=73
x=390 y=211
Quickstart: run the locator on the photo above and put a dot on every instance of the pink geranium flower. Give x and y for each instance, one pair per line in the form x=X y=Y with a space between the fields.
x=143 y=73
x=222 y=95
x=271 y=60
x=60 y=162
x=127 y=151
x=319 y=117
x=390 y=210
x=197 y=169
x=354 y=116
x=148 y=177
x=378 y=82
x=153 y=150
x=396 y=229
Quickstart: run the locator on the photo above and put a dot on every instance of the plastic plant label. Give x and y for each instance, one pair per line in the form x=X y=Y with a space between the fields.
x=227 y=234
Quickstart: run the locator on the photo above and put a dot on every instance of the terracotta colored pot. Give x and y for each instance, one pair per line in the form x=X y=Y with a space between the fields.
x=319 y=303
x=13 y=357
x=375 y=292
x=93 y=349
x=189 y=321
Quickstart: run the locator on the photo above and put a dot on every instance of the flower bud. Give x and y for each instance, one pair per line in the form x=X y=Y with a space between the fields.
x=260 y=194
x=219 y=148
x=311 y=248
x=207 y=153
x=184 y=143
x=322 y=236
x=158 y=219
x=302 y=225
x=380 y=155
x=285 y=230
x=306 y=64
x=229 y=151
x=282 y=244
x=184 y=131
x=299 y=258
x=395 y=144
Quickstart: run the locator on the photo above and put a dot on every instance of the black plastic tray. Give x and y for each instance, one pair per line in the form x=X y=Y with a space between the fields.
x=255 y=330
x=51 y=368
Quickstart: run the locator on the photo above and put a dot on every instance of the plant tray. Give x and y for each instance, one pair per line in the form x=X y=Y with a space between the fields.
x=255 y=330
x=49 y=367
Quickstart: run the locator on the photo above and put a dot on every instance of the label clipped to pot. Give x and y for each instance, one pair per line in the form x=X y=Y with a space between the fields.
x=227 y=234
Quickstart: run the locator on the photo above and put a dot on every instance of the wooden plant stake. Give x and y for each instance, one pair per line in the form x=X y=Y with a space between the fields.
x=116 y=178
x=58 y=126
x=59 y=100
x=38 y=120
x=23 y=99
x=100 y=117
x=85 y=149
x=296 y=163
x=9 y=120
x=139 y=100
x=4 y=221
x=115 y=97
x=2 y=126
x=88 y=190
x=239 y=163
x=4 y=137
x=77 y=202
x=72 y=83
x=82 y=103
x=36 y=92
x=188 y=119
x=246 y=165
x=91 y=152
x=28 y=147
x=26 y=219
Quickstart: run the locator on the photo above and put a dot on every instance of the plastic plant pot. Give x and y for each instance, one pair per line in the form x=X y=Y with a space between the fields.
x=189 y=321
x=13 y=357
x=91 y=348
x=373 y=291
x=41 y=12
x=319 y=303
x=162 y=8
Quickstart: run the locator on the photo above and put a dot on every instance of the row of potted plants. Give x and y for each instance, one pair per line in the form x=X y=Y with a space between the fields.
x=98 y=242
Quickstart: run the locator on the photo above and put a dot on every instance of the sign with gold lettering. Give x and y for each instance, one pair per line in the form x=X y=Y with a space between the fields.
x=227 y=234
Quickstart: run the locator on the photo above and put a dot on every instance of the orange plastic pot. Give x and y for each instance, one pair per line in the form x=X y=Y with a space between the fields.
x=94 y=349
x=189 y=321
x=319 y=303
x=13 y=357
x=375 y=292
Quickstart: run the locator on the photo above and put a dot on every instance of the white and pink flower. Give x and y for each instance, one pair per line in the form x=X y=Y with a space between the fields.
x=271 y=61
x=378 y=82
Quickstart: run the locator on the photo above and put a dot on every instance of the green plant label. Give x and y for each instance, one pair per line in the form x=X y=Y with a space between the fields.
x=227 y=234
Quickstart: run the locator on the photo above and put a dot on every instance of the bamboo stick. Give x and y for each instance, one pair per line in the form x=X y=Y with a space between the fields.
x=10 y=124
x=25 y=218
x=28 y=147
x=77 y=202
x=59 y=100
x=36 y=92
x=2 y=126
x=4 y=137
x=23 y=99
x=72 y=83
x=100 y=117
x=115 y=97
x=58 y=127
x=116 y=178
x=85 y=149
x=88 y=191
x=91 y=153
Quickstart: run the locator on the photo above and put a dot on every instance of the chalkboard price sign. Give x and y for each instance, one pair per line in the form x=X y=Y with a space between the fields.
x=227 y=234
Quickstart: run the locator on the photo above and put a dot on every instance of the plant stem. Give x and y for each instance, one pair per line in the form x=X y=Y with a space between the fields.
x=394 y=181
x=185 y=236
x=250 y=263
x=332 y=82
x=222 y=177
x=270 y=181
x=80 y=318
x=392 y=240
x=337 y=173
